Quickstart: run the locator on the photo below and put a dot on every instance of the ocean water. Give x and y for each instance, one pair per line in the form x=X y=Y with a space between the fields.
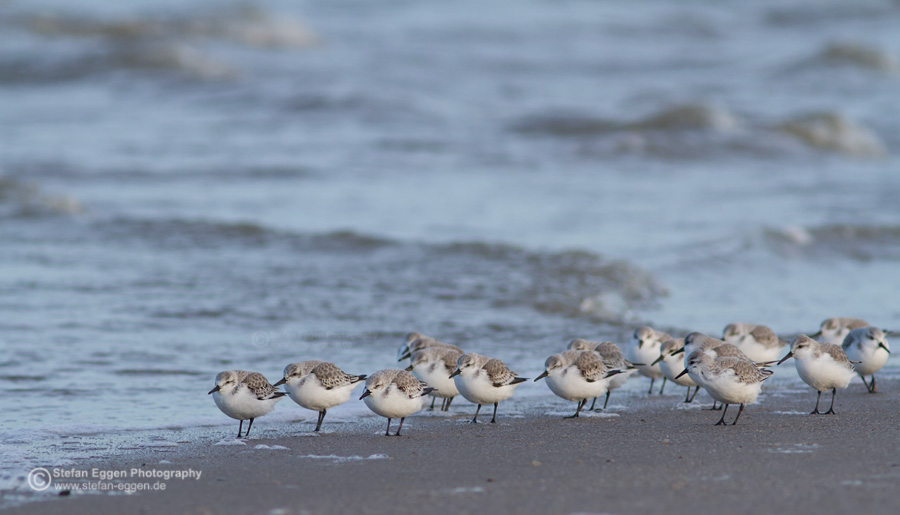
x=192 y=187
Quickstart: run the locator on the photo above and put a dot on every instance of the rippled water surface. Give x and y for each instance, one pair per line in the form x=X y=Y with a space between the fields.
x=191 y=187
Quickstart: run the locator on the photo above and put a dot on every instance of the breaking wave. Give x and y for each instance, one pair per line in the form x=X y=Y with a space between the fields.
x=388 y=273
x=855 y=242
x=24 y=200
x=836 y=133
x=693 y=117
x=72 y=48
x=859 y=56
x=701 y=131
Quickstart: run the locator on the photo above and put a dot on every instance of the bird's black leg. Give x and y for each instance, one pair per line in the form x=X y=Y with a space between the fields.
x=696 y=389
x=475 y=420
x=388 y=432
x=581 y=403
x=663 y=386
x=687 y=396
x=448 y=403
x=433 y=398
x=721 y=421
x=321 y=418
x=650 y=391
x=607 y=399
x=593 y=403
x=816 y=410
x=240 y=426
x=831 y=409
x=494 y=418
x=739 y=414
x=401 y=427
x=869 y=386
x=715 y=407
x=248 y=428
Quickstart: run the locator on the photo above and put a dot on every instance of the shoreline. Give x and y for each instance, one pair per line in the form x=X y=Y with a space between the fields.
x=651 y=456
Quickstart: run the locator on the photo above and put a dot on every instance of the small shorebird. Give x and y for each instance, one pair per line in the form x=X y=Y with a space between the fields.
x=672 y=366
x=613 y=358
x=822 y=365
x=410 y=339
x=758 y=342
x=644 y=348
x=394 y=393
x=484 y=380
x=577 y=375
x=834 y=330
x=867 y=347
x=434 y=366
x=427 y=343
x=318 y=385
x=729 y=380
x=244 y=395
x=712 y=347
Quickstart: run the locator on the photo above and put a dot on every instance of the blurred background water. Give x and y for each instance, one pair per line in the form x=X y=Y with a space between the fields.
x=187 y=187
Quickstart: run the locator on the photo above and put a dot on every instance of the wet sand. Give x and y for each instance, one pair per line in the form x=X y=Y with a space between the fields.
x=647 y=457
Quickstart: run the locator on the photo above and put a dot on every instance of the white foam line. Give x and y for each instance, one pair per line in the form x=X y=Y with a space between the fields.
x=344 y=459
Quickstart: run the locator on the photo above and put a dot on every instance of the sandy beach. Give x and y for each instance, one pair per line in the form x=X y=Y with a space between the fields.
x=646 y=456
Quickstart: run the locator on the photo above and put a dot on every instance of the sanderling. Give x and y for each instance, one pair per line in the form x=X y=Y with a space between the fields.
x=394 y=393
x=672 y=366
x=427 y=342
x=712 y=347
x=582 y=344
x=822 y=365
x=613 y=358
x=410 y=339
x=577 y=375
x=834 y=330
x=434 y=366
x=318 y=385
x=643 y=349
x=243 y=395
x=484 y=380
x=869 y=349
x=758 y=342
x=729 y=380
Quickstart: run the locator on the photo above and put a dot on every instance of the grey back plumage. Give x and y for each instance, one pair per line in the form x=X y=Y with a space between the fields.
x=582 y=344
x=331 y=376
x=766 y=337
x=426 y=343
x=728 y=350
x=836 y=353
x=260 y=386
x=498 y=373
x=403 y=380
x=591 y=366
x=745 y=370
x=848 y=322
x=411 y=385
x=611 y=355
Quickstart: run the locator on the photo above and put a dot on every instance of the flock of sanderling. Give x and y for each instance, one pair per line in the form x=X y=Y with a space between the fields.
x=731 y=370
